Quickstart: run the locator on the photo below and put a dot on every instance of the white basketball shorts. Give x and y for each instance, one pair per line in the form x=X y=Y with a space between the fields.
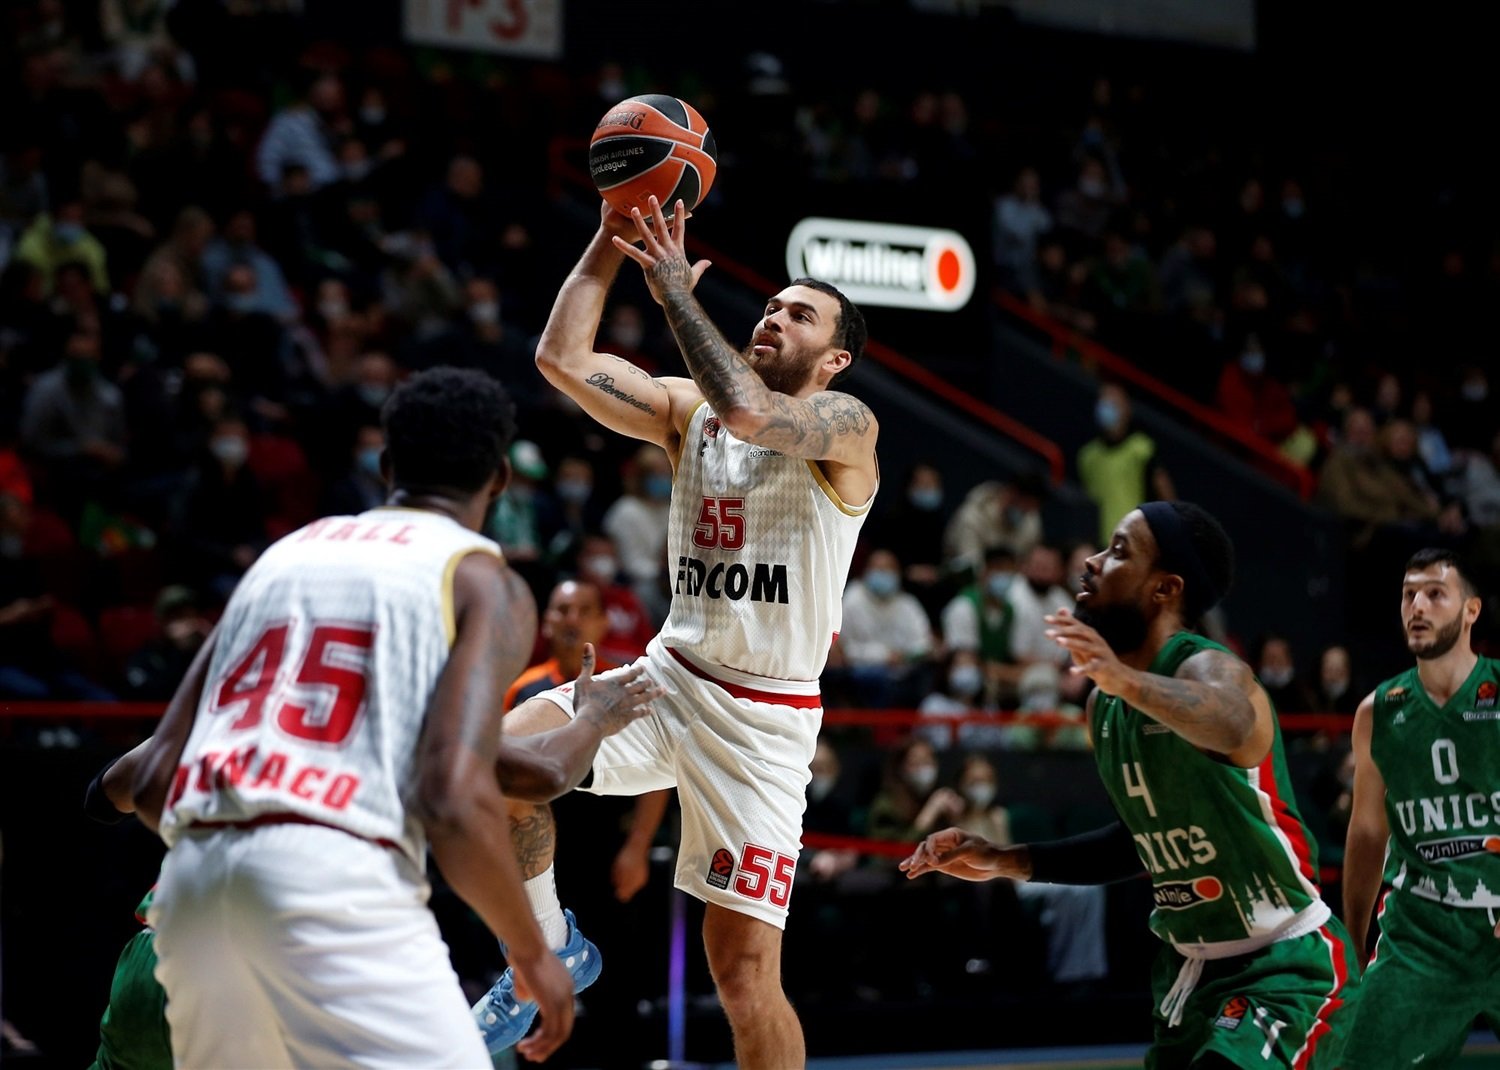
x=737 y=748
x=300 y=945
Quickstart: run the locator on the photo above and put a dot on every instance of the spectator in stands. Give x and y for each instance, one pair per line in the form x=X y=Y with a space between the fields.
x=112 y=218
x=885 y=640
x=1119 y=468
x=1276 y=668
x=305 y=135
x=236 y=245
x=573 y=616
x=32 y=666
x=830 y=812
x=1121 y=288
x=183 y=250
x=637 y=522
x=1190 y=277
x=458 y=220
x=252 y=343
x=1020 y=220
x=1058 y=292
x=61 y=238
x=1042 y=690
x=362 y=486
x=221 y=522
x=1254 y=399
x=1364 y=484
x=1472 y=420
x=631 y=626
x=1335 y=690
x=1039 y=593
x=1085 y=208
x=154 y=672
x=958 y=687
x=579 y=511
x=526 y=516
x=913 y=529
x=1477 y=484
x=980 y=618
x=910 y=804
x=994 y=514
x=1432 y=443
x=418 y=288
x=73 y=424
x=1385 y=406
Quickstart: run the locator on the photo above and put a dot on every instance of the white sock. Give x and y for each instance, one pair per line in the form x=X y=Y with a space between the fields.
x=541 y=893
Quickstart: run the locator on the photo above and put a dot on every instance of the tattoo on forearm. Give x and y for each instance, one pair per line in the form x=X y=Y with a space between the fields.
x=1213 y=712
x=725 y=378
x=606 y=383
x=534 y=836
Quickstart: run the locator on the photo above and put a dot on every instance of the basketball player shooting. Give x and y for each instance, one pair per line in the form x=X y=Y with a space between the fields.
x=775 y=473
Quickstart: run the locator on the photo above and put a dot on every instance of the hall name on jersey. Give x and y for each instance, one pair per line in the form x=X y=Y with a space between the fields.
x=274 y=771
x=1449 y=813
x=759 y=582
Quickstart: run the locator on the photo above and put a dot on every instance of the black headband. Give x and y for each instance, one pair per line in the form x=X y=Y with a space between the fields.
x=1176 y=553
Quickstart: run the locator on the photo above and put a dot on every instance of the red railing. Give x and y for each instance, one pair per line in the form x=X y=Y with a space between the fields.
x=1064 y=340
x=565 y=171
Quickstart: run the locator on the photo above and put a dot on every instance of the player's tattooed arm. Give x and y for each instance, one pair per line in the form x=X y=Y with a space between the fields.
x=1209 y=703
x=829 y=425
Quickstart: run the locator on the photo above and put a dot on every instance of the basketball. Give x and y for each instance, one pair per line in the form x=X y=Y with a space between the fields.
x=652 y=145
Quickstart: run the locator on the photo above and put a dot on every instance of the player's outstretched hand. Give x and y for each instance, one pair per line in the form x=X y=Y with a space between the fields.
x=960 y=854
x=663 y=252
x=616 y=702
x=1092 y=656
x=547 y=982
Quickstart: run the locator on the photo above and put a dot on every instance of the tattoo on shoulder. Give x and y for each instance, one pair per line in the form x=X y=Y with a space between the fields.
x=814 y=425
x=606 y=384
x=630 y=369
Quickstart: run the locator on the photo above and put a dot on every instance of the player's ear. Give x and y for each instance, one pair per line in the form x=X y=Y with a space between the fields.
x=501 y=479
x=1170 y=586
x=1473 y=606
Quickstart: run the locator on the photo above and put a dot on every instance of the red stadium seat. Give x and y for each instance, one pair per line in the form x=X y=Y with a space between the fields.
x=123 y=630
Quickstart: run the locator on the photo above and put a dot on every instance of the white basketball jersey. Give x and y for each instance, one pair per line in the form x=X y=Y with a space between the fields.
x=759 y=546
x=326 y=657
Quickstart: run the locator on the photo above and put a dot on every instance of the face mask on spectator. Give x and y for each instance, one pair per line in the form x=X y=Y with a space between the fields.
x=980 y=794
x=1013 y=515
x=373 y=394
x=1293 y=207
x=1474 y=390
x=998 y=585
x=601 y=567
x=927 y=499
x=333 y=309
x=11 y=545
x=230 y=450
x=372 y=115
x=820 y=788
x=68 y=233
x=1106 y=415
x=882 y=582
x=574 y=491
x=922 y=778
x=1253 y=362
x=485 y=312
x=1279 y=677
x=1335 y=688
x=242 y=304
x=658 y=487
x=369 y=460
x=965 y=680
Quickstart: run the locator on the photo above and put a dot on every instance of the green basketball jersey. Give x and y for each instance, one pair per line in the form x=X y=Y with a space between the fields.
x=1442 y=786
x=1230 y=861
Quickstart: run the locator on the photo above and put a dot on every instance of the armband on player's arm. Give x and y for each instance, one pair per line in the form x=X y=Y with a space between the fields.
x=1100 y=856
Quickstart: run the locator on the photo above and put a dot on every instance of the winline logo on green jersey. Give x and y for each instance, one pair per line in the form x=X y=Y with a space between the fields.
x=1458 y=847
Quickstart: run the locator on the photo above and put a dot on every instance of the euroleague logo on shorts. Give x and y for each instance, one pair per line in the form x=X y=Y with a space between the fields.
x=885 y=263
x=1233 y=1013
x=721 y=868
x=1181 y=895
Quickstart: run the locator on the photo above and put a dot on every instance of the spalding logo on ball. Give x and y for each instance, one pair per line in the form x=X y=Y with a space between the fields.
x=652 y=144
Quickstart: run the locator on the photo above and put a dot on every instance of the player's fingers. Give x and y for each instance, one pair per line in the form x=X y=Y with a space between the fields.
x=642 y=225
x=630 y=249
x=679 y=220
x=586 y=669
x=659 y=225
x=699 y=268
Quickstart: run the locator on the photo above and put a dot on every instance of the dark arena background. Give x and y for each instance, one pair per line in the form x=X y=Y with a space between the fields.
x=1259 y=241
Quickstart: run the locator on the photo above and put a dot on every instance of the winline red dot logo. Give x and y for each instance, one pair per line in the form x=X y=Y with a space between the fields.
x=887 y=264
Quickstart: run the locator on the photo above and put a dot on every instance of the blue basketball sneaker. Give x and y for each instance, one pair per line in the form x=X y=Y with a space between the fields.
x=504 y=1019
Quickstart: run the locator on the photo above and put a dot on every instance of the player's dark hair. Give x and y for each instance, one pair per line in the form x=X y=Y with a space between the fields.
x=849 y=331
x=447 y=429
x=1437 y=555
x=1191 y=543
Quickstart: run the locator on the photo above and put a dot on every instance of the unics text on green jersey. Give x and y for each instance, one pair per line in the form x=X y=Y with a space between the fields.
x=1441 y=767
x=1231 y=863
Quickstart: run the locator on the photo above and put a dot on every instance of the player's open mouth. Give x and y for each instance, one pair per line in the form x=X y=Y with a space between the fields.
x=762 y=350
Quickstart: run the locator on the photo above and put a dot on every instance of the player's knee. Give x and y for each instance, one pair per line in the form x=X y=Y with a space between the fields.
x=533 y=716
x=748 y=981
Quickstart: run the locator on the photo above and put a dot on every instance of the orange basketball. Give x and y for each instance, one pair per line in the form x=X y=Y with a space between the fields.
x=652 y=144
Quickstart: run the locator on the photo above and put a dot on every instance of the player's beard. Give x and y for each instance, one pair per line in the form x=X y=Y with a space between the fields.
x=1123 y=627
x=783 y=371
x=1442 y=640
